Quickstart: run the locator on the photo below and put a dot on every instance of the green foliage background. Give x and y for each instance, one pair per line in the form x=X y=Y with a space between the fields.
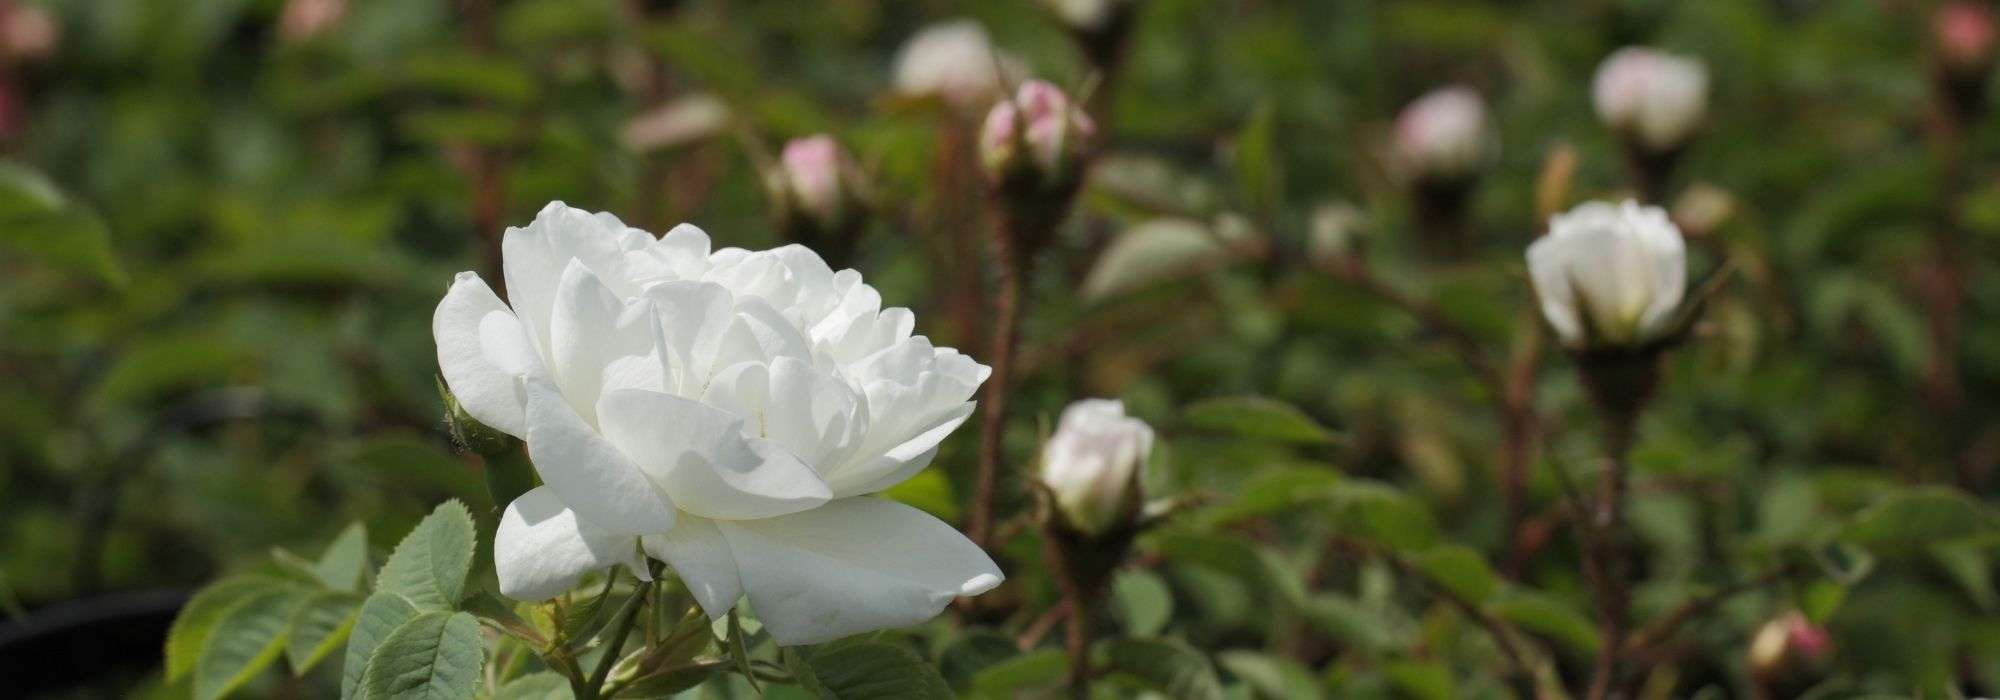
x=219 y=252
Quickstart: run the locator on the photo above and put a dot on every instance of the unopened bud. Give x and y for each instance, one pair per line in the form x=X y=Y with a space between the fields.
x=1443 y=135
x=1653 y=99
x=1965 y=36
x=954 y=61
x=1039 y=135
x=1789 y=653
x=818 y=194
x=28 y=32
x=1093 y=465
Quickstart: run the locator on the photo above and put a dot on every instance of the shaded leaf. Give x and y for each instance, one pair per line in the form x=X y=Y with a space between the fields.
x=1141 y=602
x=866 y=670
x=246 y=639
x=1257 y=417
x=319 y=626
x=1547 y=616
x=341 y=566
x=1021 y=674
x=546 y=685
x=435 y=656
x=1168 y=667
x=197 y=619
x=1461 y=570
x=37 y=218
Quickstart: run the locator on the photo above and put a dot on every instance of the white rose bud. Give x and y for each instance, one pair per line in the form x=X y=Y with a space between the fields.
x=1610 y=274
x=956 y=62
x=1092 y=464
x=1652 y=98
x=729 y=412
x=1443 y=135
x=1041 y=123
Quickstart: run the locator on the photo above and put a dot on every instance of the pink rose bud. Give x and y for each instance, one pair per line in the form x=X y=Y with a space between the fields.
x=305 y=19
x=28 y=31
x=1653 y=99
x=1443 y=135
x=1965 y=35
x=1041 y=120
x=812 y=168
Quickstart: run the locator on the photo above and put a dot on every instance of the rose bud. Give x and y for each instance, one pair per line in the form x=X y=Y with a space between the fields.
x=305 y=19
x=1789 y=654
x=28 y=31
x=1652 y=99
x=1443 y=135
x=1039 y=134
x=1611 y=279
x=954 y=61
x=816 y=187
x=1093 y=463
x=1610 y=274
x=1964 y=33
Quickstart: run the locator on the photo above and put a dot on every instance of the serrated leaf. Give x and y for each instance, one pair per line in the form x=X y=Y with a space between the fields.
x=536 y=686
x=434 y=656
x=197 y=619
x=380 y=615
x=340 y=567
x=430 y=565
x=1141 y=603
x=1461 y=570
x=865 y=670
x=319 y=626
x=1168 y=667
x=1258 y=418
x=247 y=638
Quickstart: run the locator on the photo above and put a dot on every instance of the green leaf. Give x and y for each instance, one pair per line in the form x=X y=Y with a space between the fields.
x=1384 y=514
x=1275 y=491
x=1168 y=667
x=1257 y=163
x=340 y=568
x=436 y=655
x=536 y=686
x=1545 y=615
x=1461 y=570
x=1141 y=602
x=247 y=638
x=1912 y=520
x=1259 y=418
x=863 y=670
x=380 y=615
x=1017 y=676
x=969 y=654
x=674 y=680
x=37 y=218
x=1423 y=680
x=1272 y=677
x=1970 y=563
x=430 y=565
x=197 y=619
x=319 y=626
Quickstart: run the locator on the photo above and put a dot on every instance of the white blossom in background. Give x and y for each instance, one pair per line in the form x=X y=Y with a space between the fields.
x=1092 y=463
x=1609 y=274
x=957 y=62
x=728 y=412
x=1443 y=135
x=1087 y=15
x=1044 y=121
x=1652 y=97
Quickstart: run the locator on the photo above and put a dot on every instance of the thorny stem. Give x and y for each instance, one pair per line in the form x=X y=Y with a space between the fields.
x=627 y=615
x=1610 y=554
x=1006 y=332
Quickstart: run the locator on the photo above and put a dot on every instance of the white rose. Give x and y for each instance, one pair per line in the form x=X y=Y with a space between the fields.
x=1092 y=462
x=1443 y=134
x=1653 y=97
x=955 y=61
x=1624 y=264
x=728 y=412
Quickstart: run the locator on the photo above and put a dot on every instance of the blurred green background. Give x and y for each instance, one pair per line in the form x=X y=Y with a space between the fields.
x=223 y=230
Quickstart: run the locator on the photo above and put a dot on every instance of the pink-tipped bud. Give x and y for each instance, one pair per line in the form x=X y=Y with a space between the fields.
x=1443 y=135
x=1652 y=98
x=28 y=32
x=812 y=169
x=305 y=19
x=1040 y=133
x=1965 y=35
